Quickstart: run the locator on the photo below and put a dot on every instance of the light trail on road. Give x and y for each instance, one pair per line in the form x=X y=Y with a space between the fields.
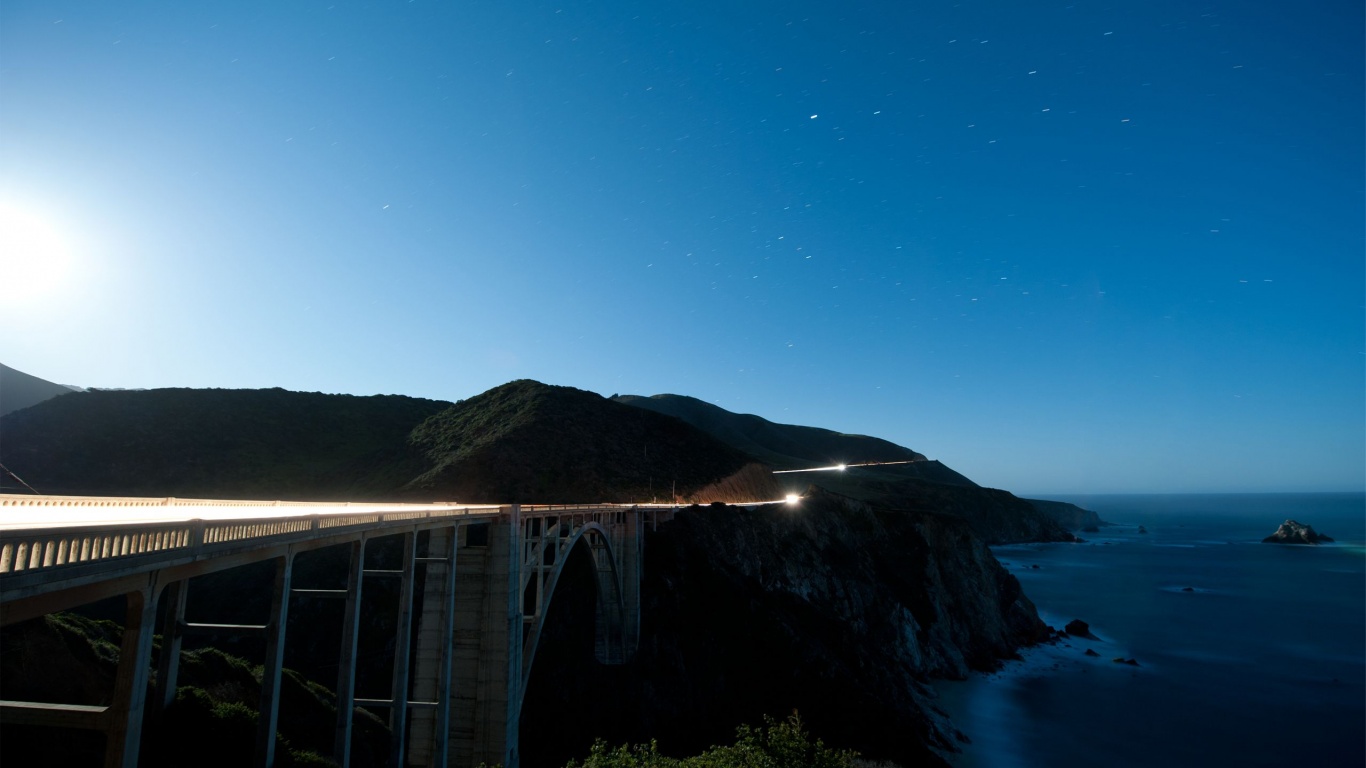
x=842 y=467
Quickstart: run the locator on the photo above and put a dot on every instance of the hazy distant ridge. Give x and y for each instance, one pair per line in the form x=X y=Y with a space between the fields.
x=20 y=390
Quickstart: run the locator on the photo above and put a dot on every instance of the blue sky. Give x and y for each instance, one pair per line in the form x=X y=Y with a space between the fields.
x=1064 y=248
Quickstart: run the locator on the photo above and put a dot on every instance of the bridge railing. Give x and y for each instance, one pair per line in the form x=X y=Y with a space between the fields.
x=50 y=547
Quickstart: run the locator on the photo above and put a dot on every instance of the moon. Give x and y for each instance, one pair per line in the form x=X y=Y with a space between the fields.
x=34 y=255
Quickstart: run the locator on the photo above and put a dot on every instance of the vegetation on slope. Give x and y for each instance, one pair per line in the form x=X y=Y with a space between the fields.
x=784 y=446
x=71 y=659
x=533 y=443
x=265 y=444
x=776 y=744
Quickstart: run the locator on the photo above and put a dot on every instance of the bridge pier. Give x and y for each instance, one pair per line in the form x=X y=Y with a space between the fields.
x=172 y=635
x=346 y=658
x=398 y=708
x=487 y=648
x=124 y=726
x=429 y=740
x=275 y=654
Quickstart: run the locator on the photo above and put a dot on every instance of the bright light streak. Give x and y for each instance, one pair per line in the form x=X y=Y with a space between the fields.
x=842 y=467
x=793 y=498
x=833 y=468
x=66 y=513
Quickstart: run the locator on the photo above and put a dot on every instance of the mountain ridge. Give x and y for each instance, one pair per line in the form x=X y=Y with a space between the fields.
x=19 y=390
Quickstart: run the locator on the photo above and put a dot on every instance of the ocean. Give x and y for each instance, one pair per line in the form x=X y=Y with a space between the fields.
x=1261 y=662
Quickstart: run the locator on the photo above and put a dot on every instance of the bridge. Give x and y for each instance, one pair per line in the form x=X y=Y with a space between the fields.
x=465 y=640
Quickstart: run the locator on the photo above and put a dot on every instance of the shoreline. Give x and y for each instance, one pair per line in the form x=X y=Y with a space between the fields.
x=986 y=708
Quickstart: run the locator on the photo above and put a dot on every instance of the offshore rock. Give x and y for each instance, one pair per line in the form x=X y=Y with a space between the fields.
x=1079 y=628
x=1292 y=532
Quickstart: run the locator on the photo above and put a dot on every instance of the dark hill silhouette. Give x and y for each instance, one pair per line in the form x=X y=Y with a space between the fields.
x=924 y=485
x=788 y=446
x=529 y=442
x=521 y=442
x=216 y=443
x=20 y=390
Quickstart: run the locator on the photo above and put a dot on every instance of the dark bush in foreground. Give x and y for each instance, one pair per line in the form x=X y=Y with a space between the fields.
x=777 y=745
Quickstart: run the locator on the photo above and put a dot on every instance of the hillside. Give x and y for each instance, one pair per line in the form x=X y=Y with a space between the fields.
x=20 y=390
x=789 y=446
x=924 y=485
x=216 y=443
x=531 y=442
x=521 y=442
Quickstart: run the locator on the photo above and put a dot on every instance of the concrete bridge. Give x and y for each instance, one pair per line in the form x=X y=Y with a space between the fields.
x=465 y=641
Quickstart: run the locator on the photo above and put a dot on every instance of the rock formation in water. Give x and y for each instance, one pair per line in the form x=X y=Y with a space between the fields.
x=1292 y=532
x=1079 y=628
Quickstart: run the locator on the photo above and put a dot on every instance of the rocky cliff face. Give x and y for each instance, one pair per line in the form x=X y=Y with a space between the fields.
x=1069 y=516
x=997 y=516
x=833 y=607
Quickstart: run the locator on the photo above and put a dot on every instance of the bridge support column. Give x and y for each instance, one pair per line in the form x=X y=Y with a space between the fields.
x=632 y=543
x=398 y=710
x=346 y=661
x=435 y=651
x=130 y=686
x=172 y=632
x=487 y=693
x=275 y=654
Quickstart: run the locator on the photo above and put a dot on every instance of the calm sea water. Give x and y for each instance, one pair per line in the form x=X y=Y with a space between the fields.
x=1262 y=664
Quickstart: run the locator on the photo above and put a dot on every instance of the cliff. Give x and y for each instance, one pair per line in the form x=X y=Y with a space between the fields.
x=837 y=608
x=1069 y=516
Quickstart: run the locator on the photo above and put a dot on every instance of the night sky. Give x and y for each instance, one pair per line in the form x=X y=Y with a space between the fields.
x=1063 y=248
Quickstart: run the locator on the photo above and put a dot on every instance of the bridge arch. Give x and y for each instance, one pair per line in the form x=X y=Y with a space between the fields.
x=545 y=565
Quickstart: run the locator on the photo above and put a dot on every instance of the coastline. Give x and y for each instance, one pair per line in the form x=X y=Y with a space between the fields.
x=1236 y=642
x=986 y=706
